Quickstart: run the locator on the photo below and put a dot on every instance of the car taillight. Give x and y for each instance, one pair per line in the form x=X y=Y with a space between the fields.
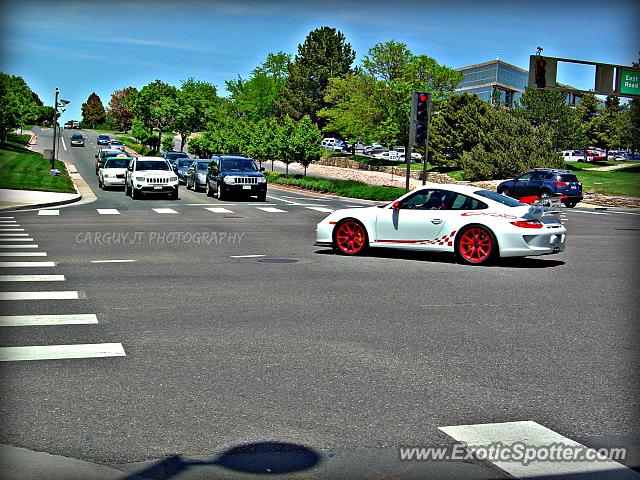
x=560 y=184
x=527 y=224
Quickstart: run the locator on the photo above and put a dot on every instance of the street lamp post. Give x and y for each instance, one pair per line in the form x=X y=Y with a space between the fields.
x=55 y=129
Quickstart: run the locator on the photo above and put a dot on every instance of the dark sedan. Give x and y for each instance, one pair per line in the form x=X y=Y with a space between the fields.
x=181 y=166
x=227 y=175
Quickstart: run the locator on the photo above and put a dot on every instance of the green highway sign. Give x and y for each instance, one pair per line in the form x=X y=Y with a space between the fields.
x=628 y=81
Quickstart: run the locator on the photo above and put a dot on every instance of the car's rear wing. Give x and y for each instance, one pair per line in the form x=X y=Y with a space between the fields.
x=544 y=207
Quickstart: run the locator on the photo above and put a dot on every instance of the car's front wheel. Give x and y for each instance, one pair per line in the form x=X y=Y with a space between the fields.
x=350 y=237
x=476 y=245
x=221 y=195
x=505 y=191
x=134 y=193
x=208 y=189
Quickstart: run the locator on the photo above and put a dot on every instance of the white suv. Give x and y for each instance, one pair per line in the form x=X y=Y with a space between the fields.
x=150 y=175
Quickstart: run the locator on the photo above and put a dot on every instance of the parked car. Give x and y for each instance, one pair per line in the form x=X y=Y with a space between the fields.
x=595 y=156
x=150 y=175
x=77 y=140
x=117 y=144
x=391 y=155
x=477 y=225
x=359 y=148
x=105 y=153
x=332 y=144
x=544 y=182
x=113 y=172
x=228 y=174
x=196 y=175
x=173 y=156
x=180 y=166
x=631 y=156
x=572 y=156
x=103 y=140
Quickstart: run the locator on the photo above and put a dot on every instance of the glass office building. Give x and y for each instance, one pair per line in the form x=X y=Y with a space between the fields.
x=494 y=81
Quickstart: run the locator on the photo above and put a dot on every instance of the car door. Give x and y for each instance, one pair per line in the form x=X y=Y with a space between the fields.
x=520 y=185
x=189 y=176
x=415 y=223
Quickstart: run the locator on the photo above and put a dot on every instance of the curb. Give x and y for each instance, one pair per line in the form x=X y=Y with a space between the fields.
x=43 y=205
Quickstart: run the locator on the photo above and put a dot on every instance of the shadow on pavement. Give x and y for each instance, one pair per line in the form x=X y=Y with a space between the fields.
x=261 y=458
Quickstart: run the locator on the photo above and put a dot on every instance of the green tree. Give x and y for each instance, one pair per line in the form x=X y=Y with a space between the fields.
x=306 y=142
x=323 y=55
x=93 y=112
x=587 y=114
x=156 y=106
x=17 y=104
x=141 y=132
x=121 y=108
x=608 y=128
x=196 y=102
x=284 y=139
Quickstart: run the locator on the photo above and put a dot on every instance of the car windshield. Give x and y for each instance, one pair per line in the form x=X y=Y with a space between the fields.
x=239 y=164
x=152 y=165
x=116 y=142
x=112 y=154
x=103 y=137
x=76 y=136
x=174 y=155
x=117 y=163
x=202 y=165
x=496 y=197
x=184 y=163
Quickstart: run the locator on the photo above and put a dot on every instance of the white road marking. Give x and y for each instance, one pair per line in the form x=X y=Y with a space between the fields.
x=535 y=435
x=31 y=278
x=8 y=223
x=33 y=245
x=12 y=239
x=108 y=211
x=218 y=210
x=271 y=210
x=54 y=295
x=204 y=204
x=289 y=202
x=164 y=210
x=23 y=254
x=13 y=234
x=592 y=213
x=321 y=209
x=26 y=264
x=2 y=229
x=625 y=213
x=305 y=198
x=112 y=261
x=247 y=256
x=63 y=143
x=61 y=352
x=48 y=212
x=7 y=218
x=46 y=320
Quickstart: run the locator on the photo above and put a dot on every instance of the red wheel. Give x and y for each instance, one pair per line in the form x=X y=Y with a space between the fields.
x=350 y=237
x=476 y=245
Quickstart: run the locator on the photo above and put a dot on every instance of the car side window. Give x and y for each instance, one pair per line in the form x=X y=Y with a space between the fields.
x=463 y=202
x=427 y=200
x=536 y=176
x=525 y=177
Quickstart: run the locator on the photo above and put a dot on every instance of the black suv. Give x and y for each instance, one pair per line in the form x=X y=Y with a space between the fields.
x=544 y=182
x=228 y=174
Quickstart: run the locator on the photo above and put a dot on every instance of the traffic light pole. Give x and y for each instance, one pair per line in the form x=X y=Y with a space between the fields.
x=55 y=130
x=426 y=142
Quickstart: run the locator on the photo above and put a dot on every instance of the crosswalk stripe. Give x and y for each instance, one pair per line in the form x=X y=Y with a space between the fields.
x=12 y=229
x=54 y=295
x=164 y=210
x=247 y=256
x=13 y=234
x=6 y=218
x=108 y=211
x=61 y=352
x=46 y=320
x=31 y=278
x=535 y=435
x=218 y=210
x=321 y=209
x=7 y=222
x=49 y=212
x=16 y=239
x=591 y=213
x=23 y=254
x=33 y=245
x=26 y=264
x=271 y=210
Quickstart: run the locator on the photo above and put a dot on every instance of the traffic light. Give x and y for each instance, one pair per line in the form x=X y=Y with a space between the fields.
x=420 y=117
x=541 y=72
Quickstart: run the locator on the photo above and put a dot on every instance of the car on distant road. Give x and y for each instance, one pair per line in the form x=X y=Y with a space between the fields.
x=113 y=172
x=103 y=140
x=476 y=224
x=227 y=175
x=105 y=153
x=117 y=144
x=196 y=176
x=150 y=175
x=173 y=156
x=332 y=144
x=77 y=140
x=181 y=166
x=544 y=183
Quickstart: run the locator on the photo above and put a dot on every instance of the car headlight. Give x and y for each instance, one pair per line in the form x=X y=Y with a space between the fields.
x=140 y=179
x=173 y=179
x=229 y=180
x=106 y=175
x=262 y=180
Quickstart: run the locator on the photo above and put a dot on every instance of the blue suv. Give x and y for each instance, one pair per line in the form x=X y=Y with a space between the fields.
x=544 y=182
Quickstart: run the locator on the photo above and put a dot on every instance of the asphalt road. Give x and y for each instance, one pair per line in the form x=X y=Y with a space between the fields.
x=347 y=356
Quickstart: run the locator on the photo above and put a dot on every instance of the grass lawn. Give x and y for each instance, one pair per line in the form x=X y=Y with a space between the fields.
x=624 y=182
x=26 y=170
x=344 y=188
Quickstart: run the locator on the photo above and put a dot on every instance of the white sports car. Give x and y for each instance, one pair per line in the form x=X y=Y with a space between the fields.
x=477 y=224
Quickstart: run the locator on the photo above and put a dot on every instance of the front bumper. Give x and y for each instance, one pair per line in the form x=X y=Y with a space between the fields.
x=77 y=144
x=113 y=182
x=241 y=189
x=160 y=189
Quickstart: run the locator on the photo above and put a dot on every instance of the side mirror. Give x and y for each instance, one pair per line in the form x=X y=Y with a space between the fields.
x=395 y=205
x=262 y=169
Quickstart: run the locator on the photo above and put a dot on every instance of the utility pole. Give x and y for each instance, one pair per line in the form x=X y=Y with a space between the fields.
x=55 y=129
x=419 y=130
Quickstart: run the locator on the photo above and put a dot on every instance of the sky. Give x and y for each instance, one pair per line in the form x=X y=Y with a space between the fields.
x=83 y=46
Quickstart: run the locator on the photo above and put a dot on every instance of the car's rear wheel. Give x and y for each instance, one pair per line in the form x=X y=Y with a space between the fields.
x=350 y=237
x=545 y=194
x=476 y=245
x=570 y=204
